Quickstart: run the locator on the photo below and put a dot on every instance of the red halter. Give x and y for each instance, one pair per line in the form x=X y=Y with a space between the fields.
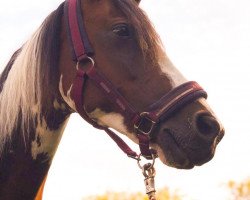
x=145 y=122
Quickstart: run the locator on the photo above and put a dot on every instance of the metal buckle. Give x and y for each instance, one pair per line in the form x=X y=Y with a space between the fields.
x=145 y=125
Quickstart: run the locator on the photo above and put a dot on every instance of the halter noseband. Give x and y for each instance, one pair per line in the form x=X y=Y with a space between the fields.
x=145 y=122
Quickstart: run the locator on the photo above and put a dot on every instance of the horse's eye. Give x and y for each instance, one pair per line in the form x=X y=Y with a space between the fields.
x=122 y=30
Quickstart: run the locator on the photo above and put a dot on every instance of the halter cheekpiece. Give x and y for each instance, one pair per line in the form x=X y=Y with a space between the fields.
x=145 y=122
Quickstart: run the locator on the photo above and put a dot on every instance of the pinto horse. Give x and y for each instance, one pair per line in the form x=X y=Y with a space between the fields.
x=104 y=60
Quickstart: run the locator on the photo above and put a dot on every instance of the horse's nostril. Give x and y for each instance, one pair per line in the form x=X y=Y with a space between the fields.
x=207 y=125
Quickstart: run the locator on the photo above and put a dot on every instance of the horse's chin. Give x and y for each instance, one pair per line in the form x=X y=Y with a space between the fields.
x=176 y=159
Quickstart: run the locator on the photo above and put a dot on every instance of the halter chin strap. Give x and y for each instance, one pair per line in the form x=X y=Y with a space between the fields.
x=145 y=122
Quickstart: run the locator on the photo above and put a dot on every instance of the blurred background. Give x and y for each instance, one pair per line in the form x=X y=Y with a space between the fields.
x=208 y=41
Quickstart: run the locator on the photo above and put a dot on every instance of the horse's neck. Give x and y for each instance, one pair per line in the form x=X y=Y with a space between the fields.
x=26 y=159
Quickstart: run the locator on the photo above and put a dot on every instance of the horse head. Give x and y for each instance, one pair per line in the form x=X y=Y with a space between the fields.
x=126 y=50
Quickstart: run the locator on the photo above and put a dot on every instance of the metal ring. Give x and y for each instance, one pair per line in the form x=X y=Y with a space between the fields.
x=88 y=58
x=148 y=172
x=151 y=164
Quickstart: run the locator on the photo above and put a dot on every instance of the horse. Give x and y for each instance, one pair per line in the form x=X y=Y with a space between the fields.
x=104 y=60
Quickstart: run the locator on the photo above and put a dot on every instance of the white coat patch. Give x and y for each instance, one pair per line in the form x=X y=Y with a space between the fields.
x=46 y=141
x=114 y=121
x=173 y=74
x=67 y=98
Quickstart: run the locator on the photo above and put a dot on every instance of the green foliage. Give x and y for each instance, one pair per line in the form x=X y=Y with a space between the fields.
x=240 y=191
x=163 y=194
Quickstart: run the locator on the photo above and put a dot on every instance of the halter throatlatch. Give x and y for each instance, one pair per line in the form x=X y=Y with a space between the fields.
x=145 y=122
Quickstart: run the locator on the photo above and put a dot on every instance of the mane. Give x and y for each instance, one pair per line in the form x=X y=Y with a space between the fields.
x=148 y=39
x=25 y=81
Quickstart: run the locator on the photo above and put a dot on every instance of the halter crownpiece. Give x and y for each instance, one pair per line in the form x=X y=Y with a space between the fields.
x=76 y=31
x=145 y=122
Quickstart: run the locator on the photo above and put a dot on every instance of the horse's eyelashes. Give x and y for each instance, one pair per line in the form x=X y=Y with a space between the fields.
x=122 y=30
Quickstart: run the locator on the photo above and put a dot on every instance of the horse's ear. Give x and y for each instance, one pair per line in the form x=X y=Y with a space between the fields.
x=138 y=1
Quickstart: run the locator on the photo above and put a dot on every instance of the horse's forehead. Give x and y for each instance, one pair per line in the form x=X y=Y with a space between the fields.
x=101 y=10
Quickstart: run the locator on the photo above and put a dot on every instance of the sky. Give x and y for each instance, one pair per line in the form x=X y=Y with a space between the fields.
x=208 y=41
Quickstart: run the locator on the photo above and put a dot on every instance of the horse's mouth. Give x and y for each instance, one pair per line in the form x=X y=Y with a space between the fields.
x=180 y=154
x=170 y=151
